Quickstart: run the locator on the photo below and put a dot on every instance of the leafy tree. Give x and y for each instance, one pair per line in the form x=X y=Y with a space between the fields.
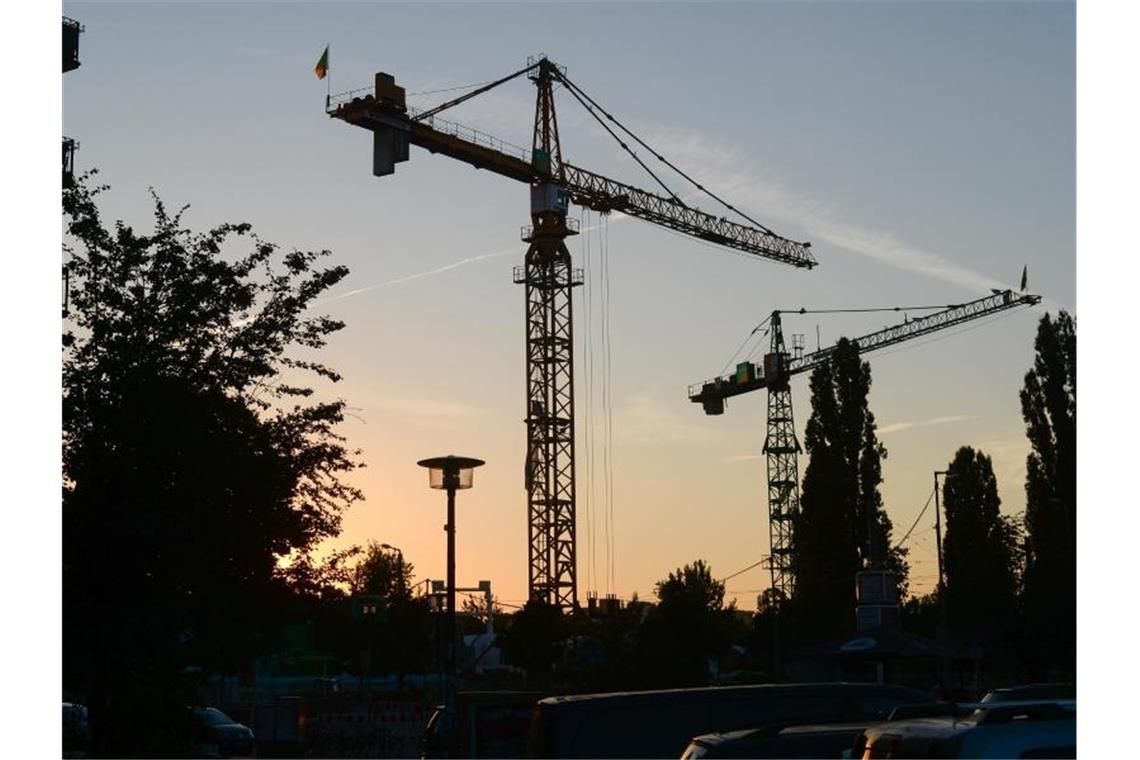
x=980 y=550
x=1049 y=406
x=474 y=608
x=689 y=624
x=920 y=614
x=531 y=640
x=397 y=635
x=842 y=525
x=381 y=572
x=194 y=458
x=328 y=579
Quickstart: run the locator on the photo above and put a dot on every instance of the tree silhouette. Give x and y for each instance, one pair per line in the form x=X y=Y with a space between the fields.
x=689 y=624
x=980 y=550
x=193 y=457
x=381 y=572
x=1049 y=406
x=531 y=640
x=842 y=525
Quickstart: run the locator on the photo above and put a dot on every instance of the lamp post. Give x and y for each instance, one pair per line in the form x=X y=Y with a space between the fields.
x=450 y=473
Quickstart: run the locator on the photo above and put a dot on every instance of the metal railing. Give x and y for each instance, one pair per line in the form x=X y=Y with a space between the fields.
x=577 y=275
x=473 y=136
x=443 y=126
x=344 y=98
x=526 y=232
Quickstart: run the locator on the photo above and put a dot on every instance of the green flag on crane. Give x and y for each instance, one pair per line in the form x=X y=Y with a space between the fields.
x=322 y=68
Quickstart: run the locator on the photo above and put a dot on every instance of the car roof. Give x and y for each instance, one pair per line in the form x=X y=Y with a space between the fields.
x=737 y=688
x=784 y=729
x=982 y=713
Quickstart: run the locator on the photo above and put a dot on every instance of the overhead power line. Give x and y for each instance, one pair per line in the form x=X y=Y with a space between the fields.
x=920 y=514
x=741 y=572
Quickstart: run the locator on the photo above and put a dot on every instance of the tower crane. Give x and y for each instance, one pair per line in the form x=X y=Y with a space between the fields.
x=546 y=272
x=779 y=365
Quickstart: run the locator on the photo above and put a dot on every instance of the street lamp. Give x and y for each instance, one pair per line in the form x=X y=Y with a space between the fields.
x=450 y=473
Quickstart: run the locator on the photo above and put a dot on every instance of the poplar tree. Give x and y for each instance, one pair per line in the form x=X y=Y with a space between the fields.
x=1049 y=406
x=842 y=526
x=980 y=550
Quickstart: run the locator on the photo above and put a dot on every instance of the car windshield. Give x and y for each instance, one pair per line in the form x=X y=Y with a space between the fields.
x=213 y=717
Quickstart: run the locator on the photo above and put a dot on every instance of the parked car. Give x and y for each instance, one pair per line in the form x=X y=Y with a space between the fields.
x=812 y=740
x=662 y=723
x=76 y=733
x=222 y=736
x=1041 y=729
x=1032 y=691
x=488 y=724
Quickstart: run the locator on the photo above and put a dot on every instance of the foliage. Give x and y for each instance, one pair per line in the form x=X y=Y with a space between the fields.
x=689 y=624
x=381 y=572
x=531 y=641
x=980 y=549
x=842 y=525
x=193 y=456
x=1049 y=406
x=474 y=609
x=326 y=579
x=920 y=614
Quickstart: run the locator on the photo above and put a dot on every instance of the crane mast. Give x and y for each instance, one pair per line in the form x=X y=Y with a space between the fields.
x=547 y=274
x=781 y=447
x=548 y=277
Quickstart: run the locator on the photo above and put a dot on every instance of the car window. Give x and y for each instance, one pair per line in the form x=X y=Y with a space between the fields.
x=213 y=717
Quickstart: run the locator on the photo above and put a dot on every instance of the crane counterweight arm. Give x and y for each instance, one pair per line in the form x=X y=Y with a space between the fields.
x=711 y=393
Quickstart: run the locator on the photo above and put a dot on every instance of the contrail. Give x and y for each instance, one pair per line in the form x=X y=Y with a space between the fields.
x=727 y=167
x=615 y=218
x=421 y=275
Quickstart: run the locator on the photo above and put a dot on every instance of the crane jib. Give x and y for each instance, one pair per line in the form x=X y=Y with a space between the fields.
x=711 y=393
x=395 y=126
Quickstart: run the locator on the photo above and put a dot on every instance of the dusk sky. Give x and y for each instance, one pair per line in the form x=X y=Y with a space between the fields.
x=926 y=150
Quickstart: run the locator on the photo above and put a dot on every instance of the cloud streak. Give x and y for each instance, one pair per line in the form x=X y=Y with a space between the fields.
x=721 y=167
x=615 y=218
x=420 y=275
x=900 y=426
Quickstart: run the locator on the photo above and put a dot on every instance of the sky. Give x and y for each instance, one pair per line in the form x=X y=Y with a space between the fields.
x=927 y=150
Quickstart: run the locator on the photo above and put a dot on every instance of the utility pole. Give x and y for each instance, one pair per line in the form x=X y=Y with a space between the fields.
x=938 y=533
x=941 y=581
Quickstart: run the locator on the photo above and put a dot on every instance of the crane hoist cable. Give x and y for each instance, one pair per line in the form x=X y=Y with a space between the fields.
x=445 y=89
x=577 y=90
x=574 y=91
x=590 y=362
x=755 y=330
x=607 y=406
x=456 y=101
x=803 y=310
